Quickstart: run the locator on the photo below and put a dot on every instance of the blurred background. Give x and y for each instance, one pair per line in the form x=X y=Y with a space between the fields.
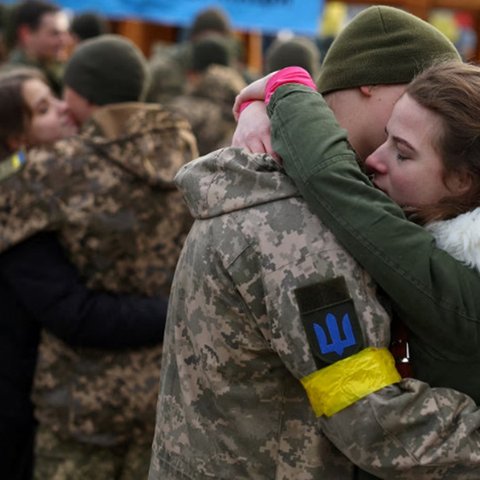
x=156 y=24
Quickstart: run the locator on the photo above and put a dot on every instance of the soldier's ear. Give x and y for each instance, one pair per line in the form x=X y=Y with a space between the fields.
x=366 y=90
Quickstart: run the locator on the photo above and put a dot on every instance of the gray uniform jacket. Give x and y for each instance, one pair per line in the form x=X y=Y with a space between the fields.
x=231 y=405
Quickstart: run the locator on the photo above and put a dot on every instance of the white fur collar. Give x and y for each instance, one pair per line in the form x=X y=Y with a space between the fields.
x=460 y=237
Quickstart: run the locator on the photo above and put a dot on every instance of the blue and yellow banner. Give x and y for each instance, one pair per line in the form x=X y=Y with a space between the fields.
x=268 y=16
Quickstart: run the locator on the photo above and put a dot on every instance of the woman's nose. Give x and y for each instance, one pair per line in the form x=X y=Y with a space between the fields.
x=375 y=164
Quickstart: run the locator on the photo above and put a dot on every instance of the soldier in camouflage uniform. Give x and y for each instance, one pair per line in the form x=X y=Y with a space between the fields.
x=231 y=404
x=208 y=107
x=109 y=193
x=408 y=430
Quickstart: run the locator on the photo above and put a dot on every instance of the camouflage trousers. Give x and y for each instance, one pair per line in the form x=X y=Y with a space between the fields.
x=57 y=459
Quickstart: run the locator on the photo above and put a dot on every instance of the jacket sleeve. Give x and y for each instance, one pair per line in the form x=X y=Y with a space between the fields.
x=408 y=430
x=31 y=196
x=433 y=293
x=51 y=289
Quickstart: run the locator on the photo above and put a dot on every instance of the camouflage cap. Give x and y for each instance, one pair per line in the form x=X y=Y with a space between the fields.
x=382 y=45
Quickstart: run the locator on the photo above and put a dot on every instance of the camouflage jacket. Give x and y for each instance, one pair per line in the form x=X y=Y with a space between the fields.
x=110 y=194
x=409 y=430
x=208 y=107
x=231 y=404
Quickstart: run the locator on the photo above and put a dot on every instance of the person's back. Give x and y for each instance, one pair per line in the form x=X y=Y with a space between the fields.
x=123 y=223
x=167 y=80
x=208 y=107
x=231 y=404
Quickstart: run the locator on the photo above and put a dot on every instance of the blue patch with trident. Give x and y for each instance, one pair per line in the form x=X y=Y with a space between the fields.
x=330 y=321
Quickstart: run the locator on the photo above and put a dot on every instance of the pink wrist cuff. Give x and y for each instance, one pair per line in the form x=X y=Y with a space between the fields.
x=288 y=75
x=244 y=105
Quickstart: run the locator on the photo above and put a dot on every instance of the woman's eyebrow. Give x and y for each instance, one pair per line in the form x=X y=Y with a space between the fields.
x=403 y=142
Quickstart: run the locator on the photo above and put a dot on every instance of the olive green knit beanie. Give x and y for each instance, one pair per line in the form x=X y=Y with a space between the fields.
x=211 y=49
x=210 y=20
x=107 y=69
x=382 y=45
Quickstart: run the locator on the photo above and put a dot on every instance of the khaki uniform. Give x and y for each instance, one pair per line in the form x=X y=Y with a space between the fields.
x=110 y=195
x=231 y=404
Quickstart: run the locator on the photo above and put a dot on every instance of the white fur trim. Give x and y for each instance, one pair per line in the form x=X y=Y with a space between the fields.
x=460 y=237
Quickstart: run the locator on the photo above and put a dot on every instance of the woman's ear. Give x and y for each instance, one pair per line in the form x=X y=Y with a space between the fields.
x=459 y=182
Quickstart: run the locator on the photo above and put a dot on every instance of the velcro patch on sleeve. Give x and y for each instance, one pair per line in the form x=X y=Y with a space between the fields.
x=330 y=321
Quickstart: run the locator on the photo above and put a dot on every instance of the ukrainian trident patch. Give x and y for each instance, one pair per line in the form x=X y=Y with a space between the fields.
x=330 y=321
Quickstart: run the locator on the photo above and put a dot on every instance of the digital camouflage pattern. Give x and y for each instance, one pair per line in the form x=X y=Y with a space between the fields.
x=81 y=461
x=231 y=404
x=110 y=194
x=411 y=431
x=208 y=107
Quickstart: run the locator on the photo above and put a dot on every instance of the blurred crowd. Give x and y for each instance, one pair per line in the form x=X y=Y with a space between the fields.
x=198 y=76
